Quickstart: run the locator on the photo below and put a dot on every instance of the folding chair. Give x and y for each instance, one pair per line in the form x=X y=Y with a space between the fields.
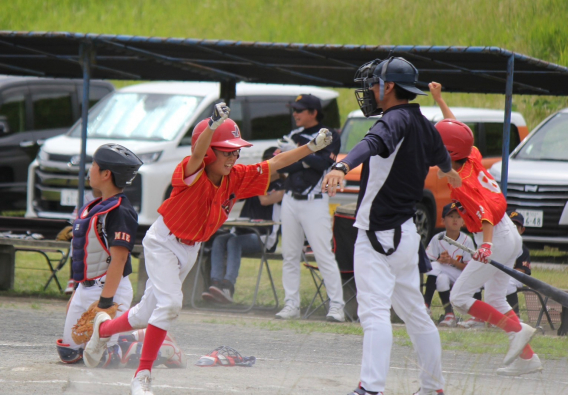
x=61 y=260
x=344 y=236
x=204 y=270
x=538 y=306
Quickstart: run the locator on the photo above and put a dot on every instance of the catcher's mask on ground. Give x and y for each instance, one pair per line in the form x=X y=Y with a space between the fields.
x=227 y=137
x=225 y=356
x=122 y=163
x=397 y=70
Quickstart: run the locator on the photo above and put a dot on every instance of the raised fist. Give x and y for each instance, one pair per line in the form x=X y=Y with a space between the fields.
x=220 y=113
x=322 y=140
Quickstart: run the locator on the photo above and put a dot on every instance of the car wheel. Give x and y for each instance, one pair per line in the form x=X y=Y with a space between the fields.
x=424 y=222
x=168 y=192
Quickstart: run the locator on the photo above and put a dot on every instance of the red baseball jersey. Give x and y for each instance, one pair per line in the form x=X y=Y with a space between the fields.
x=480 y=196
x=196 y=211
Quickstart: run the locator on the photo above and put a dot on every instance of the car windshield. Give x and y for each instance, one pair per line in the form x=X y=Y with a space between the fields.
x=353 y=131
x=550 y=142
x=140 y=116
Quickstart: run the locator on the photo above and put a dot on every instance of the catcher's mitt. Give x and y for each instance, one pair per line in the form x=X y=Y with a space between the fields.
x=65 y=234
x=83 y=329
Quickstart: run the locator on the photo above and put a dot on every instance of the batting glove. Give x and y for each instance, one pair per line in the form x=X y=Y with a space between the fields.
x=322 y=140
x=483 y=253
x=286 y=144
x=220 y=113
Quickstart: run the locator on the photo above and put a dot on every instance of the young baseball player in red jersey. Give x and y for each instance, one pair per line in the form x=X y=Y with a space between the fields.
x=205 y=187
x=483 y=208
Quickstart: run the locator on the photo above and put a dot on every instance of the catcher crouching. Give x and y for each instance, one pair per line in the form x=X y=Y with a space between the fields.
x=103 y=237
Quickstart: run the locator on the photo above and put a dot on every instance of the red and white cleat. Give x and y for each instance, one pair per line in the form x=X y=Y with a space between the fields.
x=472 y=322
x=448 y=321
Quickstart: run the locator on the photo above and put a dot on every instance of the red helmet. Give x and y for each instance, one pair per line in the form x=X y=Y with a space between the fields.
x=227 y=137
x=457 y=137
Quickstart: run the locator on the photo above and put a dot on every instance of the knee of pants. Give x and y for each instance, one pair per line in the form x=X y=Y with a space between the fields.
x=172 y=310
x=372 y=310
x=461 y=302
x=499 y=303
x=442 y=283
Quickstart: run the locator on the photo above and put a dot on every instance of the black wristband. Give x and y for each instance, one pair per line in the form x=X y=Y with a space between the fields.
x=105 y=303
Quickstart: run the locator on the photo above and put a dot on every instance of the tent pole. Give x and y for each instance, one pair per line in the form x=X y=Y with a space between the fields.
x=85 y=53
x=507 y=124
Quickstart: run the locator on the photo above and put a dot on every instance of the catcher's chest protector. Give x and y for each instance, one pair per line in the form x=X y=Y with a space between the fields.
x=91 y=256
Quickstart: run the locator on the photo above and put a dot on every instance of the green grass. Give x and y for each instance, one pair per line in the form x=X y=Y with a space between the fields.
x=536 y=29
x=32 y=273
x=484 y=341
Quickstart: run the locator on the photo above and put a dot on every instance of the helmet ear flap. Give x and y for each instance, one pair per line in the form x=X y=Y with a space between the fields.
x=210 y=156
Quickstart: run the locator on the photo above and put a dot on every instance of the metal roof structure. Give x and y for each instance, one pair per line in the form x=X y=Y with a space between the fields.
x=119 y=57
x=459 y=69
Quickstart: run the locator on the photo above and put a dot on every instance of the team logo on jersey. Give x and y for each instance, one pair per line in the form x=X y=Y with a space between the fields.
x=480 y=212
x=122 y=236
x=236 y=132
x=228 y=204
x=488 y=182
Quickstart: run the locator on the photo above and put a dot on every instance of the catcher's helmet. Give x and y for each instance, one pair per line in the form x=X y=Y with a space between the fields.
x=227 y=137
x=397 y=70
x=68 y=354
x=457 y=137
x=122 y=163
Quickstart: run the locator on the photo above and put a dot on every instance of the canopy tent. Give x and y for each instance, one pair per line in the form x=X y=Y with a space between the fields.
x=119 y=57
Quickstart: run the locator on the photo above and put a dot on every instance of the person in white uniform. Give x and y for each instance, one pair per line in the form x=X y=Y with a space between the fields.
x=305 y=210
x=447 y=261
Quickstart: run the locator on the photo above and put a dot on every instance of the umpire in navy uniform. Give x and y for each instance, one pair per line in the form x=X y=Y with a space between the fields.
x=396 y=154
x=305 y=210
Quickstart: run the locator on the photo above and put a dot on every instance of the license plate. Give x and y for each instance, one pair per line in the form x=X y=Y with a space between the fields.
x=69 y=197
x=533 y=218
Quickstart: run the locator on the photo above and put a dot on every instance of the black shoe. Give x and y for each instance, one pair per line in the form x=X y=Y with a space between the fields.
x=223 y=292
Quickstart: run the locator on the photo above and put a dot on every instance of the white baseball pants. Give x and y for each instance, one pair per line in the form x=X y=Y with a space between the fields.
x=446 y=275
x=312 y=218
x=84 y=297
x=394 y=280
x=506 y=246
x=167 y=263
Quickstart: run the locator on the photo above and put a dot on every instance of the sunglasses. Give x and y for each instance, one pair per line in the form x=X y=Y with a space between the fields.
x=297 y=110
x=236 y=153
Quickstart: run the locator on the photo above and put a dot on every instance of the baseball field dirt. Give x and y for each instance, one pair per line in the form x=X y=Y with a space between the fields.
x=288 y=361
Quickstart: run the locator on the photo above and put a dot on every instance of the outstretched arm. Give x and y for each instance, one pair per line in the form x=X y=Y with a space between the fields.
x=322 y=140
x=436 y=91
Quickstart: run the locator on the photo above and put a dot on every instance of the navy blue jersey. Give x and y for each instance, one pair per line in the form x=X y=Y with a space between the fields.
x=305 y=176
x=523 y=262
x=120 y=228
x=255 y=210
x=392 y=181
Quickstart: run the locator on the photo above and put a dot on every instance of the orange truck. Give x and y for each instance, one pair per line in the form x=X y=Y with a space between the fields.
x=487 y=127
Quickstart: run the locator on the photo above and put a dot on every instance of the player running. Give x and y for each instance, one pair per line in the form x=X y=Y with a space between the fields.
x=483 y=208
x=396 y=154
x=206 y=185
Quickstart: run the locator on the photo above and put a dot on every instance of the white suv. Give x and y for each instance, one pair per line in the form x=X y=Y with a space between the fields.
x=487 y=127
x=155 y=120
x=537 y=184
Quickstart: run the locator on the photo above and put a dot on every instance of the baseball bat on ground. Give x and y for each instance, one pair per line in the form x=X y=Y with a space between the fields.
x=540 y=286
